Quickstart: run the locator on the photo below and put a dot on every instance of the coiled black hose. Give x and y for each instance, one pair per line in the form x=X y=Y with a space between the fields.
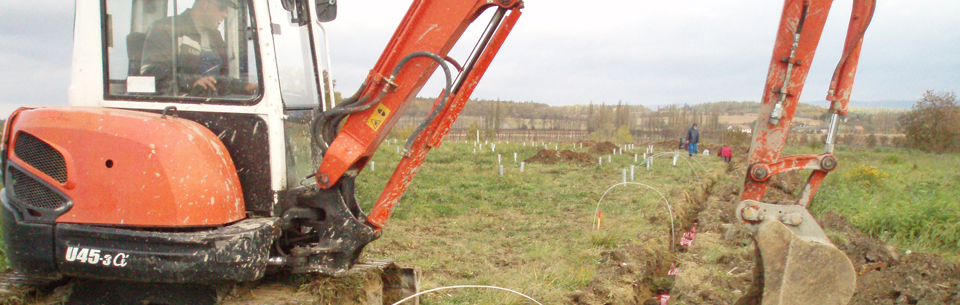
x=325 y=126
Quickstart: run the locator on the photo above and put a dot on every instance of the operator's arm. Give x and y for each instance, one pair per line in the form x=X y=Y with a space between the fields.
x=224 y=84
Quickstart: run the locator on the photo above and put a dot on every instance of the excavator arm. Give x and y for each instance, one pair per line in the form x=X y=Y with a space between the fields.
x=349 y=134
x=421 y=43
x=797 y=263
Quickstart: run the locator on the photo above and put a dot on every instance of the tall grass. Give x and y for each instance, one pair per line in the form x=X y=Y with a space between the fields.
x=908 y=198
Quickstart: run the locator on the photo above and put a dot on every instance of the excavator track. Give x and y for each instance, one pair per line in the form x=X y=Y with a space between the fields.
x=15 y=287
x=371 y=282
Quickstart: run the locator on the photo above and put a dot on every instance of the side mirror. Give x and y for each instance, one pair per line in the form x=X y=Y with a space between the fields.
x=296 y=9
x=326 y=10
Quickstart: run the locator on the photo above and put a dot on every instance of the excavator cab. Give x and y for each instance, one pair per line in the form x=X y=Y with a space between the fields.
x=198 y=132
x=151 y=174
x=139 y=54
x=157 y=50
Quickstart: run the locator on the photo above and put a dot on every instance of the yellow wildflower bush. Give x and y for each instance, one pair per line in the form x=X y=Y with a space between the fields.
x=867 y=174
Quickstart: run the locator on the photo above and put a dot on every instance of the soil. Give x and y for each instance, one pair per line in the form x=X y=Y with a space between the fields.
x=603 y=148
x=546 y=156
x=886 y=275
x=576 y=157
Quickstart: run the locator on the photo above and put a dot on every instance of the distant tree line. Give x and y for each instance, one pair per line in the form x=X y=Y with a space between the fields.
x=623 y=122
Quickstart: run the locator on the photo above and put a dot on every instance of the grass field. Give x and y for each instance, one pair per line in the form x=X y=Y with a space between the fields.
x=907 y=198
x=534 y=231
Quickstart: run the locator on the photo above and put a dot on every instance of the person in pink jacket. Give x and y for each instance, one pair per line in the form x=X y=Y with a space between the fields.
x=725 y=153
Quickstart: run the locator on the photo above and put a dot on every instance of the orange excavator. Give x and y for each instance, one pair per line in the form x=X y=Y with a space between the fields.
x=797 y=263
x=202 y=144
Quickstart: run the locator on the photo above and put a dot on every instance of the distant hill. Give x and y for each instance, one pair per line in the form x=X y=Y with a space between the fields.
x=891 y=104
x=805 y=108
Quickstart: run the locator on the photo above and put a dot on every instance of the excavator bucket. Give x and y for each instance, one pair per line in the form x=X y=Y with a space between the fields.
x=796 y=271
x=797 y=264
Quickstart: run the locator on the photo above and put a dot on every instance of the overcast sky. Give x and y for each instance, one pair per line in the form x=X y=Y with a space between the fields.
x=575 y=52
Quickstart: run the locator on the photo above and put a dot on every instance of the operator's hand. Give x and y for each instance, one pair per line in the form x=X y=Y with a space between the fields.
x=251 y=88
x=208 y=83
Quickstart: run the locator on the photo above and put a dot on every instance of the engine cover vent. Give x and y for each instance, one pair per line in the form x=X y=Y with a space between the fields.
x=41 y=156
x=34 y=193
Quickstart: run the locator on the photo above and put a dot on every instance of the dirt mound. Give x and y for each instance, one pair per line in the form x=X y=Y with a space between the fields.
x=546 y=156
x=918 y=279
x=603 y=148
x=884 y=276
x=862 y=250
x=576 y=157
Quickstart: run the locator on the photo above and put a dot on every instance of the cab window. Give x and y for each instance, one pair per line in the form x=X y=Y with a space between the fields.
x=298 y=80
x=195 y=51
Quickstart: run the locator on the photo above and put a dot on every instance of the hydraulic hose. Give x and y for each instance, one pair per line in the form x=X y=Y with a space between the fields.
x=318 y=125
x=324 y=127
x=443 y=101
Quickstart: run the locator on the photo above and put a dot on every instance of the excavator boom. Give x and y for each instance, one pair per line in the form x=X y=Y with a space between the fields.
x=419 y=46
x=797 y=263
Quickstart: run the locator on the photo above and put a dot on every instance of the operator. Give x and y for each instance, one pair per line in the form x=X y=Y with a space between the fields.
x=202 y=53
x=693 y=137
